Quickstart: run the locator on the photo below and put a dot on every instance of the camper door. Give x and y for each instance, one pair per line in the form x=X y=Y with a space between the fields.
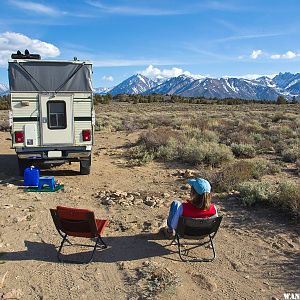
x=56 y=118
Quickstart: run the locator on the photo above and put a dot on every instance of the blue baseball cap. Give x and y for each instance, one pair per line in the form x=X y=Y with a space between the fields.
x=200 y=185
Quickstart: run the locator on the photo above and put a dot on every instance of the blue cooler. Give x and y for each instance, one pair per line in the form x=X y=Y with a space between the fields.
x=31 y=176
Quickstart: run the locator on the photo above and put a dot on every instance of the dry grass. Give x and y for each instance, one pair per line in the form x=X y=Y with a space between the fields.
x=207 y=137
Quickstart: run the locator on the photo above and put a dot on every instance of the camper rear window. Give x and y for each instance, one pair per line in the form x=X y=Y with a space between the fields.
x=57 y=115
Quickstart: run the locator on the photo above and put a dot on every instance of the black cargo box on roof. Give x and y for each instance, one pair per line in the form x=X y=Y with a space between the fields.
x=25 y=56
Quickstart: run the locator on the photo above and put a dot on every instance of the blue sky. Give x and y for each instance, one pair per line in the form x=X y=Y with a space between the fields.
x=156 y=37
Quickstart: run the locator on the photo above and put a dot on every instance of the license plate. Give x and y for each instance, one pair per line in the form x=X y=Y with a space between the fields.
x=54 y=154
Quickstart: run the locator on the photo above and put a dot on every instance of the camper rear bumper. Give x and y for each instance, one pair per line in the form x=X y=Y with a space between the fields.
x=52 y=154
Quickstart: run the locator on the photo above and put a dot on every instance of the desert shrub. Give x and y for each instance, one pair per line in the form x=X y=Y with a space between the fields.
x=178 y=123
x=169 y=152
x=4 y=103
x=161 y=120
x=291 y=154
x=129 y=124
x=139 y=155
x=285 y=195
x=4 y=125
x=298 y=166
x=261 y=167
x=265 y=146
x=104 y=125
x=217 y=154
x=97 y=126
x=288 y=196
x=251 y=127
x=192 y=152
x=193 y=147
x=201 y=123
x=282 y=131
x=243 y=150
x=279 y=146
x=278 y=117
x=258 y=137
x=154 y=139
x=108 y=123
x=133 y=123
x=230 y=176
x=252 y=192
x=202 y=135
x=195 y=152
x=236 y=137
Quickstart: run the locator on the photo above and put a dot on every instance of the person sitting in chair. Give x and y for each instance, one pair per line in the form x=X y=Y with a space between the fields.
x=198 y=206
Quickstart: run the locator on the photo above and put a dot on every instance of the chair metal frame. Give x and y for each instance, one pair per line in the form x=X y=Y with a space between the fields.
x=196 y=229
x=89 y=223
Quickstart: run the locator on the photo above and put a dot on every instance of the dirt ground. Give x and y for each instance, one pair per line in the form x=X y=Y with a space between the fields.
x=258 y=253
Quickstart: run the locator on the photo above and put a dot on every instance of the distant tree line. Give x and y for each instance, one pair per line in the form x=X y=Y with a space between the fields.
x=135 y=99
x=4 y=102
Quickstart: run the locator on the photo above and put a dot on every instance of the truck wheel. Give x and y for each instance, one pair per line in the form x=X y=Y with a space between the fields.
x=23 y=164
x=85 y=166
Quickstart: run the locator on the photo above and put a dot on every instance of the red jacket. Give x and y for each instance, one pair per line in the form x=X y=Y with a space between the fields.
x=189 y=210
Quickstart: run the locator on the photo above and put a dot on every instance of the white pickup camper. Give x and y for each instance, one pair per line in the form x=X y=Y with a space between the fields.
x=52 y=119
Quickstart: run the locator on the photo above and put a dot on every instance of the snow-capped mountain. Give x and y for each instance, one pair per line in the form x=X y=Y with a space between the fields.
x=265 y=80
x=3 y=89
x=171 y=86
x=228 y=88
x=262 y=88
x=288 y=82
x=136 y=84
x=101 y=90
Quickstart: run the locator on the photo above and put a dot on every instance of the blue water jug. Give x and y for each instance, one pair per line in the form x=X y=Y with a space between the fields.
x=31 y=176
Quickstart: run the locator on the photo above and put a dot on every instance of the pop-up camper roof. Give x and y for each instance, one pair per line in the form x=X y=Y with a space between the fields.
x=49 y=76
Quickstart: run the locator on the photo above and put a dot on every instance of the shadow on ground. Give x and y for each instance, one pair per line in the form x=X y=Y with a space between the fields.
x=57 y=172
x=9 y=165
x=9 y=168
x=121 y=248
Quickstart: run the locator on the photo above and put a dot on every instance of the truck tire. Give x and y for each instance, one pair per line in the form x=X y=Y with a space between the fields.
x=23 y=164
x=85 y=166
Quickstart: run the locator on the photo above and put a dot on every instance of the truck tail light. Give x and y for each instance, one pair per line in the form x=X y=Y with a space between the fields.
x=86 y=135
x=19 y=136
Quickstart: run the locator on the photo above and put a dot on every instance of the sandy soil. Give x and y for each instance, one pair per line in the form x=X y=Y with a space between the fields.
x=257 y=249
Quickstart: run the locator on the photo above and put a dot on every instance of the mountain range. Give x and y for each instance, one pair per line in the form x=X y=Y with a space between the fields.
x=3 y=89
x=261 y=88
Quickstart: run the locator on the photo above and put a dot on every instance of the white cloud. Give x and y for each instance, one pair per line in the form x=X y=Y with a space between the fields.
x=42 y=9
x=256 y=53
x=36 y=7
x=10 y=42
x=150 y=10
x=250 y=76
x=275 y=56
x=133 y=10
x=154 y=72
x=287 y=55
x=108 y=78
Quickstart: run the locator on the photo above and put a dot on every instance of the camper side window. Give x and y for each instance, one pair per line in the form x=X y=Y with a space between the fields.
x=57 y=115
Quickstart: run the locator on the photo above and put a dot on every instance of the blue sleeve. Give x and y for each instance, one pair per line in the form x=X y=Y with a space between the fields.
x=175 y=212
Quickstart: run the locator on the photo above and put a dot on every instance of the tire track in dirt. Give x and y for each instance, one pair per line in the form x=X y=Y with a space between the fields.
x=55 y=281
x=109 y=280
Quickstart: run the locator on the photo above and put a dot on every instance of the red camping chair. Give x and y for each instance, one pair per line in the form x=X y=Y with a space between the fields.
x=78 y=223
